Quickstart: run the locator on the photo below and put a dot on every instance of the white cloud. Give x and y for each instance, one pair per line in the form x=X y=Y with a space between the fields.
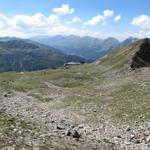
x=96 y=20
x=37 y=24
x=108 y=13
x=74 y=20
x=117 y=18
x=100 y=19
x=63 y=10
x=37 y=20
x=53 y=20
x=3 y=21
x=26 y=26
x=142 y=21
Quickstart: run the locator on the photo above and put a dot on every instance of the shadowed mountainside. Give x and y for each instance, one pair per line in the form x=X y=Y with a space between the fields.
x=25 y=55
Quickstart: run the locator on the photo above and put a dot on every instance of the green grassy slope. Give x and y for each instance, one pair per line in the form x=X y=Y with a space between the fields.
x=107 y=86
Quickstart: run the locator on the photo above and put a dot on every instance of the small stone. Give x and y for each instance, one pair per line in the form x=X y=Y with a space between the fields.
x=72 y=126
x=43 y=115
x=52 y=121
x=132 y=136
x=60 y=128
x=32 y=116
x=63 y=120
x=80 y=126
x=118 y=136
x=10 y=142
x=5 y=95
x=20 y=132
x=94 y=130
x=127 y=143
x=137 y=141
x=43 y=136
x=68 y=133
x=148 y=139
x=15 y=130
x=76 y=134
x=12 y=126
x=128 y=129
x=28 y=142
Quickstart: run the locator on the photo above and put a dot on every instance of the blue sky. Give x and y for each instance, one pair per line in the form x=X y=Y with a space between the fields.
x=98 y=18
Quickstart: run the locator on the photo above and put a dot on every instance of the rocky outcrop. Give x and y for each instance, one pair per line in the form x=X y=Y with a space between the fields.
x=142 y=56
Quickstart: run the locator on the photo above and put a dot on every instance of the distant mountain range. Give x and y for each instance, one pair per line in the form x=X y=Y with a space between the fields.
x=25 y=55
x=87 y=47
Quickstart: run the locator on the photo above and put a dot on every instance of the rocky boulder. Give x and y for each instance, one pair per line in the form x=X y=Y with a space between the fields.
x=142 y=56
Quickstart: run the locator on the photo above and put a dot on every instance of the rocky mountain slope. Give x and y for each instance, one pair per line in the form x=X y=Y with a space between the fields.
x=133 y=56
x=25 y=55
x=103 y=105
x=142 y=56
x=87 y=47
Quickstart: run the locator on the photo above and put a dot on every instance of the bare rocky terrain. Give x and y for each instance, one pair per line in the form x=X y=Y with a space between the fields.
x=99 y=106
x=46 y=124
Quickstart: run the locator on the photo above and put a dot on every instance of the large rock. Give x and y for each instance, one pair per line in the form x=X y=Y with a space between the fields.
x=142 y=56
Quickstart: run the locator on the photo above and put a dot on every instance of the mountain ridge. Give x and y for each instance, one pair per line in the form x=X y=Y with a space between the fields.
x=126 y=57
x=87 y=47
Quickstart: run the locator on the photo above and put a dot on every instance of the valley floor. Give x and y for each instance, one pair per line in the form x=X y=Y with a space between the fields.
x=90 y=107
